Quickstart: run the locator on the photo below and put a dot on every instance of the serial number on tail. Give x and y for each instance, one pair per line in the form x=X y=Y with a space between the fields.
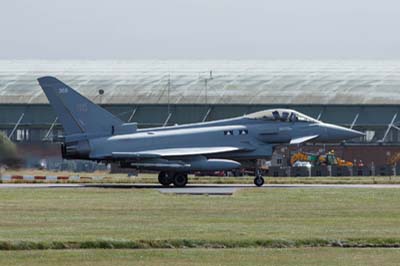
x=63 y=90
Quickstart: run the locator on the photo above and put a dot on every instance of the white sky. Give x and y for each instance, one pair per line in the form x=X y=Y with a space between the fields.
x=199 y=29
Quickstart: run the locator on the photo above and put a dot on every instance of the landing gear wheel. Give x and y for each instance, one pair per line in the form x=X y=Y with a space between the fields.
x=164 y=179
x=259 y=181
x=180 y=180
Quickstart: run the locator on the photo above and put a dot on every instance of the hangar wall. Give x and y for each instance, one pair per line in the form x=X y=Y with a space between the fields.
x=37 y=122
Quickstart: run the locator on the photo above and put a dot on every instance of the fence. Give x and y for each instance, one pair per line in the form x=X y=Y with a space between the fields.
x=384 y=170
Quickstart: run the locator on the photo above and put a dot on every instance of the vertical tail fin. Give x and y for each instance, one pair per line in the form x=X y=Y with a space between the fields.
x=76 y=113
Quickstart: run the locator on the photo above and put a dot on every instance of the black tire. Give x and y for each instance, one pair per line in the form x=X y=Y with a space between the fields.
x=164 y=179
x=180 y=180
x=259 y=181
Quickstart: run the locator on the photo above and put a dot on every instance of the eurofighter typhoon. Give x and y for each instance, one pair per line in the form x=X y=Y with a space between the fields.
x=92 y=133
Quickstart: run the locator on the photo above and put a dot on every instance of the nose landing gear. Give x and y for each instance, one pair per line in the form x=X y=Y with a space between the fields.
x=258 y=180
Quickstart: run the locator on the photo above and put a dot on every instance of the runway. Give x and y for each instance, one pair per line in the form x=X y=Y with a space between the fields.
x=201 y=189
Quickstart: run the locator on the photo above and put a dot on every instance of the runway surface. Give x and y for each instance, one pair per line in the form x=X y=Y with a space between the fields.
x=199 y=189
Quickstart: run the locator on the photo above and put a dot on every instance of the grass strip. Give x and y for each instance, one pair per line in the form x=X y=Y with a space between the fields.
x=187 y=243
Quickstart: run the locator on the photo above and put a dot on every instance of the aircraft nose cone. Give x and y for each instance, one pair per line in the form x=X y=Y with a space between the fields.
x=351 y=133
x=341 y=133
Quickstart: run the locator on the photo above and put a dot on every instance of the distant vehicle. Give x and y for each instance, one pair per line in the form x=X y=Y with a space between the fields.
x=394 y=159
x=302 y=164
x=92 y=133
x=329 y=158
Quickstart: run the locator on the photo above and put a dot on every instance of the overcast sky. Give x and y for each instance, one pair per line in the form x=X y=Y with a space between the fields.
x=199 y=29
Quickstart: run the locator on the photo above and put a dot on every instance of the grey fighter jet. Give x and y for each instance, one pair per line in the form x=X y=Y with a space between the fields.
x=92 y=133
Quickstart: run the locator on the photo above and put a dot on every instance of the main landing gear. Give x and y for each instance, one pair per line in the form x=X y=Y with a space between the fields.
x=165 y=178
x=168 y=178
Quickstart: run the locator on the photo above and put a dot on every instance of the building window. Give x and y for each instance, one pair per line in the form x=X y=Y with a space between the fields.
x=369 y=135
x=390 y=136
x=22 y=134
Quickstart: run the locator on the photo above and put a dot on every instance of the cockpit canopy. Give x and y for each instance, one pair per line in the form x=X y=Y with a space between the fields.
x=282 y=115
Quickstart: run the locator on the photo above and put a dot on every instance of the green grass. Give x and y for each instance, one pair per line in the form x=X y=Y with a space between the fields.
x=190 y=243
x=284 y=257
x=46 y=215
x=252 y=227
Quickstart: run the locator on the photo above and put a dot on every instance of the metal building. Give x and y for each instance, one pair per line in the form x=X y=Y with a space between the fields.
x=364 y=95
